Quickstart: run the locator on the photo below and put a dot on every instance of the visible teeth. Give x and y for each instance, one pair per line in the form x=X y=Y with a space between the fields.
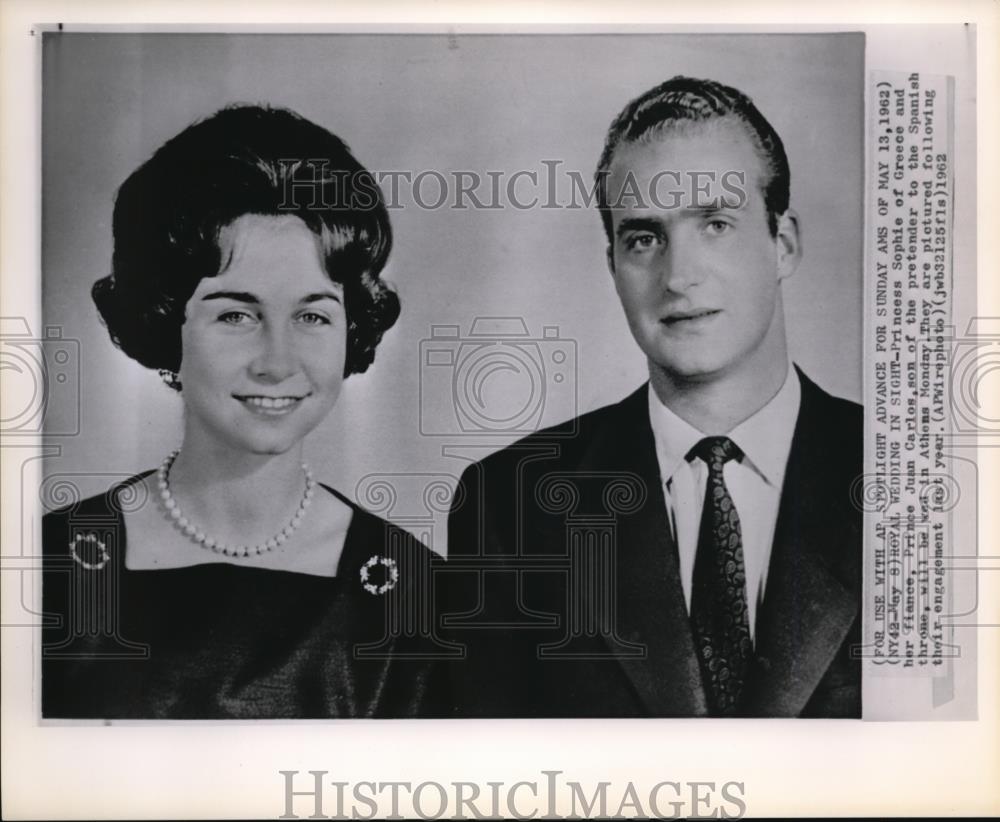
x=268 y=402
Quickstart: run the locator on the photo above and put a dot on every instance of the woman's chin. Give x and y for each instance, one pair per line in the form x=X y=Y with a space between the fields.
x=274 y=446
x=243 y=443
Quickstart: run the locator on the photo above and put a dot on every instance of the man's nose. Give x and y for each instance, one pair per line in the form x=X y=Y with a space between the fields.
x=275 y=357
x=680 y=263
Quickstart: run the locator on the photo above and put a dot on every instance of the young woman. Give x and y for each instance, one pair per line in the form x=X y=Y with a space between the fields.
x=228 y=582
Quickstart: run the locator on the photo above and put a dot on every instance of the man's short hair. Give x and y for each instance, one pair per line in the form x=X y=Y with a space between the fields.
x=686 y=99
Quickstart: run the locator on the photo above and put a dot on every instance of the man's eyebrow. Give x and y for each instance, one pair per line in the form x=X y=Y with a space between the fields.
x=638 y=224
x=719 y=204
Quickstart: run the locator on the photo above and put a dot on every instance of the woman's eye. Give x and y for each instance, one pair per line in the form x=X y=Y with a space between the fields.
x=314 y=318
x=236 y=317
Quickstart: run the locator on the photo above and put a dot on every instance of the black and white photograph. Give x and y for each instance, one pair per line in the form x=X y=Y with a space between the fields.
x=498 y=383
x=604 y=307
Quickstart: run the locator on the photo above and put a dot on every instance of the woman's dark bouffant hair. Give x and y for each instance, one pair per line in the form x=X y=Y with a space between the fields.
x=242 y=160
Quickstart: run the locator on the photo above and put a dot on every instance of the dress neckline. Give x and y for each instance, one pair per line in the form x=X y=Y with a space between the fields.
x=357 y=515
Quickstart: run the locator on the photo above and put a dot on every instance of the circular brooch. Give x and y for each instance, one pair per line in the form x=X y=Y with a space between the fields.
x=92 y=540
x=391 y=575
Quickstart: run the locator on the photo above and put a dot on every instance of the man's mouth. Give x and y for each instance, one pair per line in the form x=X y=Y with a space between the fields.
x=269 y=406
x=681 y=318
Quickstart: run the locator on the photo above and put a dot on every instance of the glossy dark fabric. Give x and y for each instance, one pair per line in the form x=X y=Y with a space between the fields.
x=223 y=641
x=720 y=617
x=567 y=584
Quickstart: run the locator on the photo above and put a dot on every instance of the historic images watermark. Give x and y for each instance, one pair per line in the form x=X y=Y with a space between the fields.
x=312 y=184
x=314 y=795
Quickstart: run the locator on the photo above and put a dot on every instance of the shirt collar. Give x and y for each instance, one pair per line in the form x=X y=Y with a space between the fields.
x=765 y=438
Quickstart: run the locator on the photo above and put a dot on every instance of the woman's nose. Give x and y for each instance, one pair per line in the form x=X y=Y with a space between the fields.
x=275 y=360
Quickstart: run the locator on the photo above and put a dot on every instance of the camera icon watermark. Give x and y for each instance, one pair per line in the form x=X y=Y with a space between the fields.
x=975 y=362
x=39 y=374
x=496 y=380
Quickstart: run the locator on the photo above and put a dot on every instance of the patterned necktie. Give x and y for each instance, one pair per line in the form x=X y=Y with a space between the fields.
x=719 y=617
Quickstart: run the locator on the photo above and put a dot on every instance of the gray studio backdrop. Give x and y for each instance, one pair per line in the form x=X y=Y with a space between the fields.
x=438 y=394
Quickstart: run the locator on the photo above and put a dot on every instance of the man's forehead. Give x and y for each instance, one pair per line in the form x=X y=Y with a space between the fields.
x=686 y=168
x=717 y=144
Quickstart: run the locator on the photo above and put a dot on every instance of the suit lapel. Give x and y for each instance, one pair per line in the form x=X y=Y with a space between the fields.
x=650 y=601
x=807 y=611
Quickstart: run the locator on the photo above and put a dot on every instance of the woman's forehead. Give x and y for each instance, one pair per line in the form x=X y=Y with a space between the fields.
x=257 y=234
x=277 y=256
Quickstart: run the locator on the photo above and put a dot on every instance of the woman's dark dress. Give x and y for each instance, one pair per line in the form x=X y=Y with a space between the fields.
x=224 y=641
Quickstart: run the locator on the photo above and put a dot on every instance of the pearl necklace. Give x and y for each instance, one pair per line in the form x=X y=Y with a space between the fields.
x=205 y=541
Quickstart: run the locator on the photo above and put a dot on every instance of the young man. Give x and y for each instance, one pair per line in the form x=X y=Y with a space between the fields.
x=692 y=550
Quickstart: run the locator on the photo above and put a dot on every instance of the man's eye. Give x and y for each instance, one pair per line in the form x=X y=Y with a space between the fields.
x=718 y=226
x=641 y=242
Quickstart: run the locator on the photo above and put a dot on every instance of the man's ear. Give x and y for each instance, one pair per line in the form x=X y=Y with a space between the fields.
x=788 y=241
x=609 y=254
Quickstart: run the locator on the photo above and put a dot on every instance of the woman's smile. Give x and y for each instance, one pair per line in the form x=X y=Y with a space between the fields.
x=268 y=406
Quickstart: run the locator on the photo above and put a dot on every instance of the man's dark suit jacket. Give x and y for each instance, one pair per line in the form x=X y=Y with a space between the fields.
x=566 y=589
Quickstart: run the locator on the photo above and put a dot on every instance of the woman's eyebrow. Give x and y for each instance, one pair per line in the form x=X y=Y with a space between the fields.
x=321 y=295
x=247 y=297
x=238 y=296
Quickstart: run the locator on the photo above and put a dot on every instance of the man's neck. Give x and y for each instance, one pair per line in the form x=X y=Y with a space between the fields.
x=717 y=405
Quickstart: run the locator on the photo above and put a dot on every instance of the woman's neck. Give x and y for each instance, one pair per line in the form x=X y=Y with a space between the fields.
x=239 y=498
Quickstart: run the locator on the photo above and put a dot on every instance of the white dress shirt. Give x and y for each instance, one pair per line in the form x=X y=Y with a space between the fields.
x=754 y=482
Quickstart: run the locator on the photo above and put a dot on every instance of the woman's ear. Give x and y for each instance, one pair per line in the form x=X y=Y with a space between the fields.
x=788 y=242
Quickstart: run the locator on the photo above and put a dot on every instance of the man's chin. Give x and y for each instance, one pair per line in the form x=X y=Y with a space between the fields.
x=687 y=371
